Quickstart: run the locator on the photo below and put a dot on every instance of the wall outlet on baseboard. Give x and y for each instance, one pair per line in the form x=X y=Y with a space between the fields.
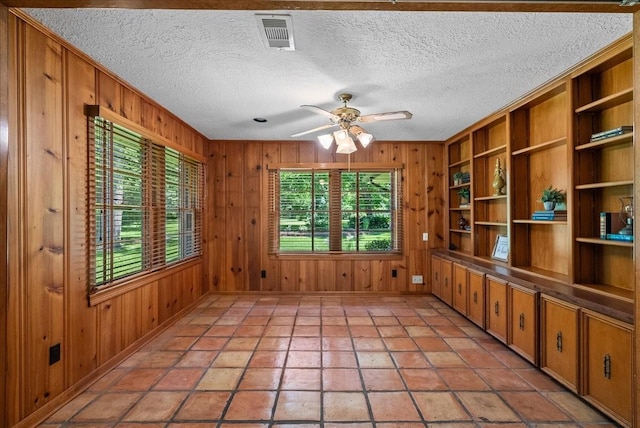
x=416 y=279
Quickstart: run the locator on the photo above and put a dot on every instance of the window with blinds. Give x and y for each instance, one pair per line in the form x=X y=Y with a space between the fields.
x=335 y=210
x=145 y=202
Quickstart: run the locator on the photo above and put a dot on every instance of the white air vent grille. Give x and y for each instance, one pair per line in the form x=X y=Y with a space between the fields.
x=276 y=31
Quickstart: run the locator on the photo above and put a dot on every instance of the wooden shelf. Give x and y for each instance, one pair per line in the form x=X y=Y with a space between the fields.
x=609 y=290
x=490 y=223
x=604 y=184
x=490 y=198
x=458 y=186
x=459 y=231
x=531 y=221
x=612 y=100
x=599 y=241
x=618 y=139
x=490 y=152
x=543 y=146
x=459 y=163
x=460 y=209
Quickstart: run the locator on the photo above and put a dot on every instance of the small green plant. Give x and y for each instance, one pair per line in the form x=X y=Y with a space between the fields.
x=551 y=194
x=457 y=176
x=464 y=193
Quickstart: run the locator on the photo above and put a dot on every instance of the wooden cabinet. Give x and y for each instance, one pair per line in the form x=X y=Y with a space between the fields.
x=559 y=340
x=606 y=365
x=436 y=276
x=459 y=161
x=460 y=288
x=441 y=279
x=539 y=145
x=476 y=311
x=603 y=171
x=523 y=322
x=490 y=214
x=497 y=315
x=446 y=293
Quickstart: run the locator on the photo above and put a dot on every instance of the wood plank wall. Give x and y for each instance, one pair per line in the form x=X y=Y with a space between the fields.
x=48 y=85
x=237 y=220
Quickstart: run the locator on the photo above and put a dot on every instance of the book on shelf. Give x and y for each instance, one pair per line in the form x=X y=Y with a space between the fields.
x=611 y=133
x=618 y=237
x=559 y=215
x=610 y=224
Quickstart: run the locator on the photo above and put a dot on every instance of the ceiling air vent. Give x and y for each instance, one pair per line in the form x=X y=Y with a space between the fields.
x=276 y=31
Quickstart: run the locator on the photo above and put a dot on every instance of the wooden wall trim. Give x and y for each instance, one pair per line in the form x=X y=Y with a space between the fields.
x=105 y=113
x=4 y=154
x=636 y=138
x=428 y=5
x=137 y=282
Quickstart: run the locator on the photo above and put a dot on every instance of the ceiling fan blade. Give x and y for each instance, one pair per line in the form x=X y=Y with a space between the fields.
x=321 y=112
x=391 y=115
x=319 y=128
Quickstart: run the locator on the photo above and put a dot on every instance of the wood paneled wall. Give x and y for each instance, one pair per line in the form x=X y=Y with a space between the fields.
x=45 y=155
x=236 y=242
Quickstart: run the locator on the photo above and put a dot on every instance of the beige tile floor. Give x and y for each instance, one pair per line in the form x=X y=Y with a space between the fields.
x=325 y=361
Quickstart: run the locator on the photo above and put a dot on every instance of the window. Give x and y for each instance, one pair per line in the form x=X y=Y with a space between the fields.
x=319 y=210
x=145 y=203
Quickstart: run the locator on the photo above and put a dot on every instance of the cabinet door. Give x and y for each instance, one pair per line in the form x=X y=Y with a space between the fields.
x=497 y=308
x=436 y=276
x=559 y=341
x=606 y=364
x=476 y=297
x=523 y=322
x=460 y=288
x=447 y=287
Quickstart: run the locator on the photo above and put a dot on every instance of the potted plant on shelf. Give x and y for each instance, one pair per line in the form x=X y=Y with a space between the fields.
x=457 y=178
x=550 y=197
x=464 y=194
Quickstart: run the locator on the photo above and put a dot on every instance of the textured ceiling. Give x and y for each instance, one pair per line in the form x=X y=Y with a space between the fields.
x=449 y=69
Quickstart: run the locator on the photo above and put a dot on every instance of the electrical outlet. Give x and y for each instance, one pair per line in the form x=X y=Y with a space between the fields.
x=416 y=279
x=425 y=236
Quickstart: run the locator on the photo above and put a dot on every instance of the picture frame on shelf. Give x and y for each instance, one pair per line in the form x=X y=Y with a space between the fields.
x=501 y=248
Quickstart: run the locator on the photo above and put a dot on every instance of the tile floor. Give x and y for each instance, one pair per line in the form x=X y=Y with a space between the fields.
x=325 y=361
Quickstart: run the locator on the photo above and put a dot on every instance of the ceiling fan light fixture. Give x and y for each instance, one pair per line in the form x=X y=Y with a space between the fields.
x=325 y=140
x=363 y=136
x=344 y=142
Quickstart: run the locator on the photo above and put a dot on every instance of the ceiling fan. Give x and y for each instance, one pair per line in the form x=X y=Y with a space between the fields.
x=347 y=118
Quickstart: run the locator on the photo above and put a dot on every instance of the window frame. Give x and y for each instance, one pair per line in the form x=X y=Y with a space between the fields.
x=157 y=150
x=397 y=228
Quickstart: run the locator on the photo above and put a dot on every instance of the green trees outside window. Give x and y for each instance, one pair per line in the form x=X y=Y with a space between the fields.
x=322 y=211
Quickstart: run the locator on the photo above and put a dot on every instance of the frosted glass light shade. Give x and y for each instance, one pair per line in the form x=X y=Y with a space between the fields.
x=325 y=140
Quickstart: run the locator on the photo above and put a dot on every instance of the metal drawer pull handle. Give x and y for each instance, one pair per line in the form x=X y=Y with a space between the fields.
x=522 y=321
x=496 y=307
x=607 y=366
x=475 y=297
x=436 y=276
x=559 y=341
x=459 y=288
x=446 y=282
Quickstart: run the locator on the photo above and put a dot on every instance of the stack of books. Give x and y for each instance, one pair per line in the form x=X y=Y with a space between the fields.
x=611 y=133
x=610 y=225
x=556 y=215
x=466 y=177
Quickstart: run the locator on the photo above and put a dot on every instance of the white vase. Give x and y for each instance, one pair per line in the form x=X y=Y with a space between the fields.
x=549 y=206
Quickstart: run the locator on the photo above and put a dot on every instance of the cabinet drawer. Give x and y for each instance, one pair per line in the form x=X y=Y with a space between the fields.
x=606 y=365
x=523 y=322
x=497 y=308
x=436 y=276
x=460 y=288
x=559 y=341
x=476 y=297
x=446 y=286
